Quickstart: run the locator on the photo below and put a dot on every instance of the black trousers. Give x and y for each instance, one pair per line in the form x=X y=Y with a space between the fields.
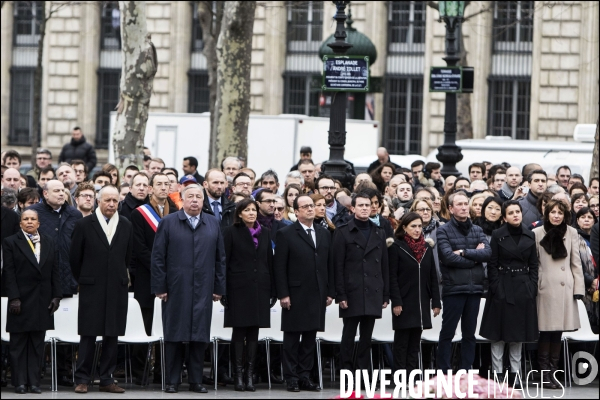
x=463 y=307
x=363 y=356
x=64 y=356
x=247 y=333
x=26 y=355
x=174 y=354
x=298 y=355
x=85 y=361
x=140 y=351
x=406 y=349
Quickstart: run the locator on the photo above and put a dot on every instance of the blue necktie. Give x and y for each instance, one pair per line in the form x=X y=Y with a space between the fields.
x=215 y=206
x=193 y=221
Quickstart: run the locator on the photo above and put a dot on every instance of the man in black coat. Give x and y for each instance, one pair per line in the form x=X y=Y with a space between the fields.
x=266 y=211
x=303 y=273
x=462 y=248
x=137 y=196
x=34 y=291
x=144 y=221
x=337 y=213
x=100 y=253
x=9 y=226
x=78 y=148
x=215 y=201
x=360 y=260
x=383 y=157
x=537 y=186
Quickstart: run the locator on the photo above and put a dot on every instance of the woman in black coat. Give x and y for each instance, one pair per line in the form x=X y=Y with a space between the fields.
x=250 y=286
x=413 y=290
x=510 y=314
x=34 y=291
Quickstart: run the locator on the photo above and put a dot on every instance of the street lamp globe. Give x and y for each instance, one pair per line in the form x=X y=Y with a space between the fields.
x=451 y=9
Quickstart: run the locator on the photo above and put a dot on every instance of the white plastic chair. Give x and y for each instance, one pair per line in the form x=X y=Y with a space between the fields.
x=4 y=312
x=334 y=327
x=272 y=334
x=584 y=334
x=383 y=332
x=218 y=333
x=157 y=331
x=135 y=333
x=478 y=337
x=433 y=335
x=65 y=330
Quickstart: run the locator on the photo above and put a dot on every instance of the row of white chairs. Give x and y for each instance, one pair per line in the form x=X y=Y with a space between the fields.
x=65 y=332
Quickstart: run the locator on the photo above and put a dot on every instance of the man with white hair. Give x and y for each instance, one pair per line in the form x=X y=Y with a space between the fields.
x=231 y=166
x=100 y=254
x=294 y=177
x=478 y=186
x=12 y=179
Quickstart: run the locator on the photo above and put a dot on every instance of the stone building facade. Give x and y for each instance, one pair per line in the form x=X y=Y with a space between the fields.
x=536 y=67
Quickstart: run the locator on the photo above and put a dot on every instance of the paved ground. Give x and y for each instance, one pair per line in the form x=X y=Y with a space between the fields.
x=263 y=392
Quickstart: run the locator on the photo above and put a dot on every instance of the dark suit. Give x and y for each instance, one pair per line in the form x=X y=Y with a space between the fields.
x=100 y=269
x=304 y=272
x=35 y=285
x=9 y=226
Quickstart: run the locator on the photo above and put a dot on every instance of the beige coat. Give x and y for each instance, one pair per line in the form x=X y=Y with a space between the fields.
x=558 y=281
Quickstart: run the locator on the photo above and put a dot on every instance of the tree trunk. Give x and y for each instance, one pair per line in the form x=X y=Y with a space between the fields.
x=37 y=90
x=137 y=76
x=234 y=54
x=463 y=116
x=594 y=170
x=211 y=27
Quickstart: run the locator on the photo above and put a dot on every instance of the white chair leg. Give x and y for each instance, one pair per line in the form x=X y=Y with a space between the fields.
x=162 y=363
x=319 y=361
x=216 y=355
x=268 y=348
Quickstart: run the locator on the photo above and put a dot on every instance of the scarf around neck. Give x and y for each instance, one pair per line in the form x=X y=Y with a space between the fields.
x=430 y=226
x=255 y=233
x=463 y=227
x=109 y=228
x=375 y=219
x=553 y=241
x=418 y=246
x=488 y=226
x=34 y=243
x=265 y=220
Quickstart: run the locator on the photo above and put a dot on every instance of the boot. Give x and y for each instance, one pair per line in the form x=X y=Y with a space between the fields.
x=238 y=350
x=555 y=349
x=515 y=380
x=250 y=364
x=544 y=362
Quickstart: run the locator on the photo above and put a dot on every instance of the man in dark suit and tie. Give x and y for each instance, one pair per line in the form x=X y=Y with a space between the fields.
x=304 y=276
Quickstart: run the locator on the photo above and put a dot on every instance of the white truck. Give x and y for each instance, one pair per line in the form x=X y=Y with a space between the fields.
x=274 y=141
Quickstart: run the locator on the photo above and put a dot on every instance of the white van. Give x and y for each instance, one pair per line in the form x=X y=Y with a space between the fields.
x=549 y=154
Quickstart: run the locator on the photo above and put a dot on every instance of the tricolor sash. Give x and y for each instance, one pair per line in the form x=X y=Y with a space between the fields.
x=150 y=216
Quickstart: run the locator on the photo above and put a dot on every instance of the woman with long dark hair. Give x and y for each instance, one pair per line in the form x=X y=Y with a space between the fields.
x=560 y=285
x=250 y=287
x=289 y=194
x=585 y=220
x=413 y=290
x=510 y=314
x=382 y=175
x=491 y=216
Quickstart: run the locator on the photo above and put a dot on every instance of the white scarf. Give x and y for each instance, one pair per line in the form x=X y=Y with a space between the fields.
x=34 y=243
x=109 y=228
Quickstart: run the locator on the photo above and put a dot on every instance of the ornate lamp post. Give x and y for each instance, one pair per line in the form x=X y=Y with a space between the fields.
x=336 y=166
x=451 y=12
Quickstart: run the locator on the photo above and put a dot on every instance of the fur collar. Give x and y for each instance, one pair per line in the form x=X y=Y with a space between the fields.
x=553 y=241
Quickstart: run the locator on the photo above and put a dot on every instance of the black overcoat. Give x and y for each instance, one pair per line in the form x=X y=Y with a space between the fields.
x=143 y=241
x=413 y=285
x=101 y=271
x=35 y=284
x=510 y=312
x=305 y=274
x=9 y=226
x=361 y=270
x=250 y=279
x=189 y=265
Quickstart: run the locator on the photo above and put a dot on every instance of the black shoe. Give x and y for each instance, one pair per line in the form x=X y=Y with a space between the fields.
x=306 y=384
x=238 y=366
x=35 y=389
x=21 y=389
x=65 y=381
x=251 y=348
x=170 y=389
x=515 y=380
x=224 y=379
x=198 y=388
x=292 y=386
x=275 y=379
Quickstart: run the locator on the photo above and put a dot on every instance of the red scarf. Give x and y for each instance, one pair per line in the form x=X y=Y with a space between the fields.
x=417 y=246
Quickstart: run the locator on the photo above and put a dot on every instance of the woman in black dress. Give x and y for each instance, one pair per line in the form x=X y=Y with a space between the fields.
x=250 y=287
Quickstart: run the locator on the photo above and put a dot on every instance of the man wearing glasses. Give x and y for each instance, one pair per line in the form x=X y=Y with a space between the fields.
x=84 y=198
x=337 y=213
x=43 y=159
x=242 y=183
x=266 y=211
x=81 y=170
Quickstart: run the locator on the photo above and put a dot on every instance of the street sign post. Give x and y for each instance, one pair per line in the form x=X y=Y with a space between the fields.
x=446 y=79
x=345 y=73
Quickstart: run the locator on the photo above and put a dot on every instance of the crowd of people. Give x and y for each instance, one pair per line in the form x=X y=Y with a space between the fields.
x=525 y=239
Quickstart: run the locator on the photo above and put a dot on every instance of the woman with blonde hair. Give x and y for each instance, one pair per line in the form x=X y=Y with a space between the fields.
x=320 y=213
x=289 y=194
x=475 y=205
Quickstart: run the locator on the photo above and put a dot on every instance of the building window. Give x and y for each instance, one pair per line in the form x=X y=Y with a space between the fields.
x=27 y=18
x=509 y=108
x=108 y=98
x=21 y=107
x=404 y=108
x=406 y=26
x=197 y=42
x=304 y=26
x=513 y=26
x=199 y=95
x=301 y=95
x=110 y=26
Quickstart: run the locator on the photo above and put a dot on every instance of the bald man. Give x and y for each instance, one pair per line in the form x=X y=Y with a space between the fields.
x=12 y=179
x=513 y=180
x=382 y=158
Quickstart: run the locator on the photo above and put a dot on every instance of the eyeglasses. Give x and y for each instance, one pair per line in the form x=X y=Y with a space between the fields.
x=307 y=206
x=423 y=210
x=87 y=196
x=327 y=188
x=280 y=209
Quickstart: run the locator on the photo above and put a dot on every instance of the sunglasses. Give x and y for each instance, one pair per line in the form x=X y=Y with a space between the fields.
x=280 y=209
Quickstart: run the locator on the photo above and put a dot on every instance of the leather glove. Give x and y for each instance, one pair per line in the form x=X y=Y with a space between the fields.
x=273 y=301
x=578 y=296
x=224 y=302
x=14 y=307
x=54 y=305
